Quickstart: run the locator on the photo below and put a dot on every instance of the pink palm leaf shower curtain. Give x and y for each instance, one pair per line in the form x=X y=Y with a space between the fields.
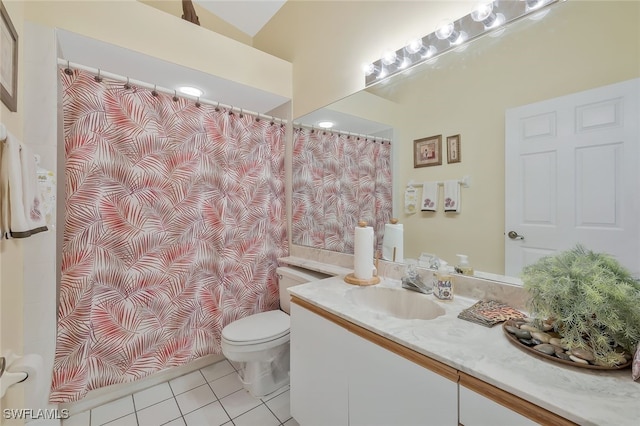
x=338 y=180
x=174 y=222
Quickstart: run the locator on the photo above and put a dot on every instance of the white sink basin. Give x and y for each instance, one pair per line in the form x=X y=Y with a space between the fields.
x=398 y=303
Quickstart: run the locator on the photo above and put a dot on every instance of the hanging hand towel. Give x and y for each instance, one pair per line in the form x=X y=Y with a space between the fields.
x=452 y=196
x=20 y=214
x=429 y=197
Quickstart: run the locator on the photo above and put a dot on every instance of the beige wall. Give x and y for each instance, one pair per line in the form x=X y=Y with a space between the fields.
x=11 y=298
x=328 y=41
x=468 y=93
x=141 y=28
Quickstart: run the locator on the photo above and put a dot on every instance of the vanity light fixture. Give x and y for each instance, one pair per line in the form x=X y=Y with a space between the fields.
x=487 y=18
x=191 y=91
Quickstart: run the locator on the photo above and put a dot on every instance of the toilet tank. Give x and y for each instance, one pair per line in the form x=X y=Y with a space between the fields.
x=289 y=276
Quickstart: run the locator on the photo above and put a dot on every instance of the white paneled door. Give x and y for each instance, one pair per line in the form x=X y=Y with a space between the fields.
x=572 y=176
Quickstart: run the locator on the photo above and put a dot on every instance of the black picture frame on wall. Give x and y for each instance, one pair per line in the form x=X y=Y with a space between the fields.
x=8 y=61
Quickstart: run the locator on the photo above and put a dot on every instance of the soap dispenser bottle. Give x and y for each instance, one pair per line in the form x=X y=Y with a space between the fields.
x=443 y=288
x=463 y=266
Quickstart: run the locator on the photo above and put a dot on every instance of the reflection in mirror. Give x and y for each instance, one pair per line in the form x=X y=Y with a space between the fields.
x=575 y=47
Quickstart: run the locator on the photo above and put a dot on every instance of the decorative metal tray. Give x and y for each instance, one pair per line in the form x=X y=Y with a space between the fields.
x=513 y=339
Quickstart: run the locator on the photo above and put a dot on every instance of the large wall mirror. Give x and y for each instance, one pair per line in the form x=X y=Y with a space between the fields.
x=576 y=46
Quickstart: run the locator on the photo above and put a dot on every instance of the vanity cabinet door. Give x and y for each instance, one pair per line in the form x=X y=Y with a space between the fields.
x=319 y=379
x=478 y=410
x=387 y=389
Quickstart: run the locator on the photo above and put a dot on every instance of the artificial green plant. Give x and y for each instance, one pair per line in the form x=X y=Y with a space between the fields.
x=592 y=299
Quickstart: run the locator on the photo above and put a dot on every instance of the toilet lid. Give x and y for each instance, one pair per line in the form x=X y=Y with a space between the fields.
x=257 y=328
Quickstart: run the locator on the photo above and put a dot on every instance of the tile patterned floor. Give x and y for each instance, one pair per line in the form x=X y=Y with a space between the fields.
x=211 y=396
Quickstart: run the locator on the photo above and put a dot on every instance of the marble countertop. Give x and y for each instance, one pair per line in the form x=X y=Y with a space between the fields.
x=587 y=397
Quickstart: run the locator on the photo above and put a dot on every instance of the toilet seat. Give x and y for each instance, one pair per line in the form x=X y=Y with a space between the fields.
x=258 y=328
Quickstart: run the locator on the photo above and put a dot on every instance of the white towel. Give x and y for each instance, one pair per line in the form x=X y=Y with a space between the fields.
x=20 y=214
x=429 y=197
x=452 y=196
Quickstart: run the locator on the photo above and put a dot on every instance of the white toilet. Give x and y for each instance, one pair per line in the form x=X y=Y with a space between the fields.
x=260 y=342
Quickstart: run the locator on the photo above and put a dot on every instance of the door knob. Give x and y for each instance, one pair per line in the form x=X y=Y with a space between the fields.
x=515 y=236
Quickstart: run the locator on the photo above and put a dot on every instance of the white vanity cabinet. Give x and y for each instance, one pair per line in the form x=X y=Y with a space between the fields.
x=478 y=410
x=387 y=389
x=339 y=378
x=319 y=387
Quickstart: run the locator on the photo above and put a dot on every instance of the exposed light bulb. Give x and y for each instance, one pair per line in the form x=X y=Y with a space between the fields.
x=429 y=52
x=389 y=57
x=484 y=13
x=326 y=124
x=414 y=46
x=533 y=4
x=190 y=90
x=368 y=69
x=447 y=31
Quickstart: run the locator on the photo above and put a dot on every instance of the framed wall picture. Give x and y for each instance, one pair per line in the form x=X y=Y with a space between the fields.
x=8 y=61
x=453 y=149
x=427 y=151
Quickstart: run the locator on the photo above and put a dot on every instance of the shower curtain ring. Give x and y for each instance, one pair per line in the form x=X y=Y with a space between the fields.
x=154 y=92
x=67 y=70
x=217 y=108
x=127 y=85
x=198 y=102
x=175 y=96
x=98 y=78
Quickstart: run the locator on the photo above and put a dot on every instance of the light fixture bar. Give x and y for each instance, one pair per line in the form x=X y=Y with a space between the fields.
x=451 y=36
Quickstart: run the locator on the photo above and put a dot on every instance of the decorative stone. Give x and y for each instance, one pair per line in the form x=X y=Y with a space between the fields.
x=543 y=337
x=578 y=360
x=583 y=354
x=546 y=326
x=545 y=348
x=563 y=355
x=511 y=329
x=529 y=328
x=527 y=342
x=557 y=342
x=536 y=341
x=522 y=334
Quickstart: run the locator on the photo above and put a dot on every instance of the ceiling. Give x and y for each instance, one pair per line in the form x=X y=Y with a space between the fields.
x=248 y=16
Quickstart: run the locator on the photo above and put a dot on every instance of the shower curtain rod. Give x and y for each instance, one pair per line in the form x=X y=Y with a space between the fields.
x=342 y=132
x=105 y=74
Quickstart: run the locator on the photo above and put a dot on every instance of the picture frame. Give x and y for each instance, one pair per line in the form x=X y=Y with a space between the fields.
x=454 y=155
x=427 y=151
x=8 y=61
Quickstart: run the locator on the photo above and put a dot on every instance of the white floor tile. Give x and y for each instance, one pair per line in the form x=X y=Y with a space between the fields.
x=259 y=416
x=195 y=398
x=217 y=370
x=187 y=382
x=129 y=420
x=226 y=385
x=80 y=419
x=212 y=414
x=275 y=393
x=112 y=410
x=280 y=406
x=239 y=402
x=158 y=414
x=291 y=422
x=177 y=422
x=151 y=396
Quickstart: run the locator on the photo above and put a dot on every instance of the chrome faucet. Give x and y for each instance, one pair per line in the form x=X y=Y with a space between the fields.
x=412 y=281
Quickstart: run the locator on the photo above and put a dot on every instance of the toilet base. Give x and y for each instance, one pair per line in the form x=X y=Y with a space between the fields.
x=261 y=378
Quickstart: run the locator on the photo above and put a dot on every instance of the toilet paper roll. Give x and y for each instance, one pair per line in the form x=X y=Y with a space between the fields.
x=32 y=364
x=363 y=253
x=393 y=239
